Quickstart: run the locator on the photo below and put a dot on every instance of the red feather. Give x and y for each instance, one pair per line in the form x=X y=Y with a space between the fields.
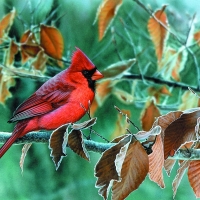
x=58 y=101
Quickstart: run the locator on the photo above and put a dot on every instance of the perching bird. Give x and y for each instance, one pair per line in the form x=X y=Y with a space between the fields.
x=62 y=99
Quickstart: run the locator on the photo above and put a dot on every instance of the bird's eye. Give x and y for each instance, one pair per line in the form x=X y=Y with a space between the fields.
x=85 y=72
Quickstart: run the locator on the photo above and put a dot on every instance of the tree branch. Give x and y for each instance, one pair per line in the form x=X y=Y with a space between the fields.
x=43 y=137
x=161 y=81
x=99 y=147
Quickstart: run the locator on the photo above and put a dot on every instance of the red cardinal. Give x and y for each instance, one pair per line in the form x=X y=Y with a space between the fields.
x=62 y=99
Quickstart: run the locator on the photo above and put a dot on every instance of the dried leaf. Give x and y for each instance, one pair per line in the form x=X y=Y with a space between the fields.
x=85 y=124
x=134 y=170
x=149 y=115
x=180 y=132
x=117 y=70
x=158 y=32
x=6 y=82
x=6 y=23
x=156 y=162
x=194 y=176
x=107 y=10
x=164 y=121
x=57 y=144
x=181 y=171
x=106 y=170
x=143 y=135
x=23 y=156
x=76 y=143
x=168 y=165
x=40 y=61
x=51 y=41
x=29 y=46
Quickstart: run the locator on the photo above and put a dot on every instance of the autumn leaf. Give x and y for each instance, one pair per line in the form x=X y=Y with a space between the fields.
x=76 y=143
x=57 y=144
x=105 y=14
x=158 y=32
x=106 y=170
x=23 y=156
x=180 y=131
x=194 y=176
x=51 y=41
x=134 y=170
x=39 y=63
x=181 y=171
x=149 y=115
x=29 y=46
x=156 y=162
x=6 y=23
x=85 y=124
x=163 y=121
x=6 y=82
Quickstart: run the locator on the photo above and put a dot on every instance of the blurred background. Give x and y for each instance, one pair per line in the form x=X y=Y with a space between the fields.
x=128 y=37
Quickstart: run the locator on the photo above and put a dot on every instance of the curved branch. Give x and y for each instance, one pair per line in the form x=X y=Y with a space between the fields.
x=43 y=137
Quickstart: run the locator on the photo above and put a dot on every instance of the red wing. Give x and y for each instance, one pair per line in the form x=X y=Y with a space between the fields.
x=44 y=100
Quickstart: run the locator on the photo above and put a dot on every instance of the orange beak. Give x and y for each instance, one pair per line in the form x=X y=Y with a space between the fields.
x=97 y=75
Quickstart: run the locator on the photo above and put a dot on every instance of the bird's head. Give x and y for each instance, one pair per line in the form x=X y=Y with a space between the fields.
x=81 y=63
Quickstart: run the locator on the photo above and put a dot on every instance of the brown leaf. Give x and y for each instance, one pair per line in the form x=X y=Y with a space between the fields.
x=156 y=162
x=181 y=171
x=51 y=41
x=6 y=23
x=149 y=115
x=194 y=176
x=76 y=143
x=23 y=156
x=85 y=124
x=168 y=165
x=164 y=121
x=180 y=132
x=57 y=144
x=118 y=69
x=5 y=83
x=105 y=169
x=107 y=10
x=40 y=62
x=134 y=170
x=29 y=46
x=143 y=135
x=158 y=32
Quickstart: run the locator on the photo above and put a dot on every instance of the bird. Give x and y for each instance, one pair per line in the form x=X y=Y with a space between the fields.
x=63 y=99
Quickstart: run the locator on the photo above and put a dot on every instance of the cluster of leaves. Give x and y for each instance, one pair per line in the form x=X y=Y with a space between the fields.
x=130 y=157
x=34 y=46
